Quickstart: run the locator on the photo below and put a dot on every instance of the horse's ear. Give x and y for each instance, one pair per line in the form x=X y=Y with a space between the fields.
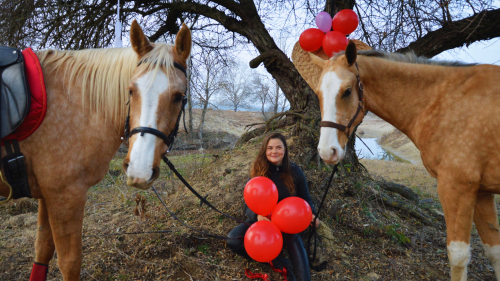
x=140 y=42
x=351 y=53
x=317 y=60
x=183 y=42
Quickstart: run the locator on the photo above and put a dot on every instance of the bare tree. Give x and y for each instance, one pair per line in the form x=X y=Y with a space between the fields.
x=426 y=27
x=208 y=80
x=236 y=88
x=261 y=91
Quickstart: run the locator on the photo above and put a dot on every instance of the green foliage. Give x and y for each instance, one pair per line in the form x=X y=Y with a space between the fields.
x=204 y=249
x=398 y=235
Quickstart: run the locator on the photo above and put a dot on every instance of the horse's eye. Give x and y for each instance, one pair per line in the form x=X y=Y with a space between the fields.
x=346 y=93
x=178 y=98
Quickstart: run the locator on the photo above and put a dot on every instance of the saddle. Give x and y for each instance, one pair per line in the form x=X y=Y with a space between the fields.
x=15 y=103
x=14 y=91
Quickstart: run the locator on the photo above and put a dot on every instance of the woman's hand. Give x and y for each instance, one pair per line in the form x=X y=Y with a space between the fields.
x=262 y=218
x=315 y=220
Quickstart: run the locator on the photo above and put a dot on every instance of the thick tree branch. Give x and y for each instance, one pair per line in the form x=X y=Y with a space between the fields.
x=482 y=26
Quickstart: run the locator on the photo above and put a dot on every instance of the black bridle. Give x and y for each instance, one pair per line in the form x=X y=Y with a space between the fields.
x=361 y=107
x=168 y=140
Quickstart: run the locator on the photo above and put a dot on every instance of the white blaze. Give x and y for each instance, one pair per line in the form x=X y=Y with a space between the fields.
x=328 y=139
x=143 y=149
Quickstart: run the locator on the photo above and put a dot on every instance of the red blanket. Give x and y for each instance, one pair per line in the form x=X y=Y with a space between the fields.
x=38 y=98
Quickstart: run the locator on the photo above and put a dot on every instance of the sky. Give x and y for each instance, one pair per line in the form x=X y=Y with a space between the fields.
x=478 y=52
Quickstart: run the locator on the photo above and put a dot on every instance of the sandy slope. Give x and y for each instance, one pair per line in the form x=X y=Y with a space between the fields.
x=226 y=120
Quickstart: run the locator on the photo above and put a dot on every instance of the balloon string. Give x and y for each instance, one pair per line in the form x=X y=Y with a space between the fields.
x=251 y=275
x=282 y=271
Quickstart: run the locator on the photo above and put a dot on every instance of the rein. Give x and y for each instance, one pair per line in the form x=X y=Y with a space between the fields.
x=361 y=106
x=312 y=229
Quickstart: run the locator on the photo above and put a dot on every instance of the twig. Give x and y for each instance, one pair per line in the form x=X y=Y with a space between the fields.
x=127 y=256
x=190 y=277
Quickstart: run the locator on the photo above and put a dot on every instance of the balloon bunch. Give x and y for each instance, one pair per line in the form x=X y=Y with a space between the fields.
x=263 y=240
x=343 y=23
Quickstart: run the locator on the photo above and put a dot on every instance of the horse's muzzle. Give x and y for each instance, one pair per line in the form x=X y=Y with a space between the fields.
x=141 y=183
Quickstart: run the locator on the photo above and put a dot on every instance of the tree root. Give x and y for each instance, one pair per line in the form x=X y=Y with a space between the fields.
x=425 y=219
x=273 y=123
x=399 y=189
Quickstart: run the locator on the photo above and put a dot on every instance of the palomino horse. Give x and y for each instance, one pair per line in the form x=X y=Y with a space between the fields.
x=87 y=93
x=449 y=111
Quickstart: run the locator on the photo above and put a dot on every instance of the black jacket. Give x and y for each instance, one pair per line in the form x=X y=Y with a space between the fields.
x=299 y=180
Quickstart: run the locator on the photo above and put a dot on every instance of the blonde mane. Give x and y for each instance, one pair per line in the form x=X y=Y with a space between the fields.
x=103 y=75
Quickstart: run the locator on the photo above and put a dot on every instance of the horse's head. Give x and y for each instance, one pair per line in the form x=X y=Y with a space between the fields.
x=157 y=96
x=339 y=98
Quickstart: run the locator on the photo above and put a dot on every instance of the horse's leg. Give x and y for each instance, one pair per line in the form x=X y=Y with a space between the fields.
x=458 y=202
x=44 y=245
x=66 y=217
x=486 y=221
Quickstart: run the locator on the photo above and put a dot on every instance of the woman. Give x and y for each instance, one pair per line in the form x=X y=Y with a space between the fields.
x=273 y=162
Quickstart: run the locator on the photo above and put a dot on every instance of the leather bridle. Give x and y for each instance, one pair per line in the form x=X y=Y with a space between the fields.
x=361 y=106
x=168 y=140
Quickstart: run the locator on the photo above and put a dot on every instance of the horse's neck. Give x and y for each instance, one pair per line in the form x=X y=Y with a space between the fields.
x=399 y=92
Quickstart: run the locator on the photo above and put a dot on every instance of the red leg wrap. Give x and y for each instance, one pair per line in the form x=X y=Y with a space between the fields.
x=39 y=272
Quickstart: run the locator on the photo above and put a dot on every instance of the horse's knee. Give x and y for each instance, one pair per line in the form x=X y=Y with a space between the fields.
x=459 y=254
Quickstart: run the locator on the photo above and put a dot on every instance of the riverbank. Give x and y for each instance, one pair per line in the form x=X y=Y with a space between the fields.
x=412 y=175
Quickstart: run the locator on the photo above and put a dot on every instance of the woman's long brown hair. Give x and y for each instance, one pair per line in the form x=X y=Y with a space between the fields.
x=260 y=166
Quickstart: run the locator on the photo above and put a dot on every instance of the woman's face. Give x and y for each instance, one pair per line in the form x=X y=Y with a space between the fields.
x=275 y=151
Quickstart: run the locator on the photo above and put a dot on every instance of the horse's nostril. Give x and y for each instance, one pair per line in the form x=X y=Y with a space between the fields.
x=155 y=174
x=334 y=151
x=125 y=166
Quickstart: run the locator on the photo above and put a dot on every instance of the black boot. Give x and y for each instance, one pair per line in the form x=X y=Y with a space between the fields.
x=282 y=263
x=298 y=256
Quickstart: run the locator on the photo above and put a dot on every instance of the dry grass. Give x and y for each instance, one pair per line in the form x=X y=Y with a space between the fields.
x=413 y=176
x=363 y=238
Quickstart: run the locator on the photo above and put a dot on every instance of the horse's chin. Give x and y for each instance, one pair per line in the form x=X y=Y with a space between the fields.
x=142 y=186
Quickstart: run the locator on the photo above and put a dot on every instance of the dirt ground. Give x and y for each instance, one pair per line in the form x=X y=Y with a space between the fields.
x=361 y=237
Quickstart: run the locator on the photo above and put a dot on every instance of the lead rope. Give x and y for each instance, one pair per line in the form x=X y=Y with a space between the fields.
x=312 y=230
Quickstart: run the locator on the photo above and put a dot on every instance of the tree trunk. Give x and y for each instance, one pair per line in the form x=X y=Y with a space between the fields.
x=189 y=97
x=276 y=99
x=202 y=122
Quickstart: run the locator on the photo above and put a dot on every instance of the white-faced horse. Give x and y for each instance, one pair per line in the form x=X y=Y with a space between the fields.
x=448 y=110
x=87 y=93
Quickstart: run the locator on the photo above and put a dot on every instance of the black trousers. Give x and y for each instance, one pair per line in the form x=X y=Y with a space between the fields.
x=292 y=242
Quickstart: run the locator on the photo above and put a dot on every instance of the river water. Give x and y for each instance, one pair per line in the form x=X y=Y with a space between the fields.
x=377 y=152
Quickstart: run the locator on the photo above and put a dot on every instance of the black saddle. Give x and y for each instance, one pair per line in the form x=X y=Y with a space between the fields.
x=15 y=99
x=15 y=102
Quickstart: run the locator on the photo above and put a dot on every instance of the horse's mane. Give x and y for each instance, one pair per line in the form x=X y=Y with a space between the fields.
x=410 y=57
x=102 y=75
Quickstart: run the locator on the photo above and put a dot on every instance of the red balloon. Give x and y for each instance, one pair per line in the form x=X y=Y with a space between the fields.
x=310 y=40
x=261 y=195
x=263 y=241
x=345 y=21
x=292 y=215
x=334 y=42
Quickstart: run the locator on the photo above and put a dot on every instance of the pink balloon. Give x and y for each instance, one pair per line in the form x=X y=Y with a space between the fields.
x=324 y=21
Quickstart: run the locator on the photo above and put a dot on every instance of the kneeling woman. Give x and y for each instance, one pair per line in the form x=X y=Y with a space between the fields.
x=273 y=162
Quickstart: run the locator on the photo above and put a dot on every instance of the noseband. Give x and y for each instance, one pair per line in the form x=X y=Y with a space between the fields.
x=168 y=140
x=361 y=106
